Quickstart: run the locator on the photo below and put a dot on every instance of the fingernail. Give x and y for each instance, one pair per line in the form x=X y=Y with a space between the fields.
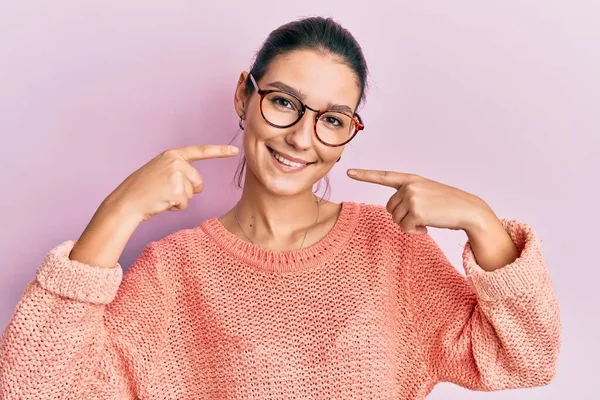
x=352 y=172
x=233 y=149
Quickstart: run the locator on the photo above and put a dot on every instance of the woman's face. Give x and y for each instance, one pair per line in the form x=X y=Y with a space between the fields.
x=322 y=81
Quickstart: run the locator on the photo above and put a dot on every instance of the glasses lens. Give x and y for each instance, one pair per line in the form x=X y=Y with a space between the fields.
x=335 y=128
x=281 y=109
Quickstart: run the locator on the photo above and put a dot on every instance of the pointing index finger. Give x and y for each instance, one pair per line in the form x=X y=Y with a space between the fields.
x=202 y=152
x=386 y=178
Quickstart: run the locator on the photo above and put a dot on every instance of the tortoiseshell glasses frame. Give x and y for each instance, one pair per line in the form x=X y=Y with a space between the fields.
x=356 y=119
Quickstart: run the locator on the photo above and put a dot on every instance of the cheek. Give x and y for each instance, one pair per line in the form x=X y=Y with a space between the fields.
x=256 y=129
x=329 y=155
x=252 y=137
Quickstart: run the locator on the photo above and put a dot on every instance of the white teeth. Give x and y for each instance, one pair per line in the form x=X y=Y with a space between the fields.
x=285 y=161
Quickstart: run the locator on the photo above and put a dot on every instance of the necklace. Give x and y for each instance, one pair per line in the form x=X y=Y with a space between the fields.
x=248 y=237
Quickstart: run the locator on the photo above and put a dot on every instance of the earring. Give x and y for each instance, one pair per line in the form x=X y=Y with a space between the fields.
x=240 y=123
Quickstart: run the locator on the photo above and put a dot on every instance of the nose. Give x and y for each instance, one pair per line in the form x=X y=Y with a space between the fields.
x=300 y=135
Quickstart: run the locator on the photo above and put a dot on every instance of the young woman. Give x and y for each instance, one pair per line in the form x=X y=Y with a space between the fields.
x=286 y=295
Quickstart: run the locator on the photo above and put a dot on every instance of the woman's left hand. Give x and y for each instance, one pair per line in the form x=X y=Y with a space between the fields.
x=420 y=202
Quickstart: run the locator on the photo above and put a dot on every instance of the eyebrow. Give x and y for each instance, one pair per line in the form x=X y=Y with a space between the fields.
x=301 y=95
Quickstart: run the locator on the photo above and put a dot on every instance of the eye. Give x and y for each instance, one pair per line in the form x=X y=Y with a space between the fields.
x=282 y=102
x=333 y=121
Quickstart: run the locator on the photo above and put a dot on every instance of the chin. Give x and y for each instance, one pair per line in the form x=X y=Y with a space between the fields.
x=284 y=187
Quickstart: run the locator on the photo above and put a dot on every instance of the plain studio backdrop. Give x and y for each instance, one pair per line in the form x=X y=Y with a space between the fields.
x=498 y=98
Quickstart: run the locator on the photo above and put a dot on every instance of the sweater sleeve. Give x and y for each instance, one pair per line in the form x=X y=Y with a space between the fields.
x=487 y=330
x=78 y=329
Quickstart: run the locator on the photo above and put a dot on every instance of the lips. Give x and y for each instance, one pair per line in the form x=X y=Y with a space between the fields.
x=288 y=160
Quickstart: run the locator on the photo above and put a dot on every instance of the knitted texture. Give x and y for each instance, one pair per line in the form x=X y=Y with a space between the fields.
x=366 y=313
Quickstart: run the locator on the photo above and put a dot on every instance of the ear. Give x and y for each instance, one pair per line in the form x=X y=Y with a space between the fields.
x=239 y=98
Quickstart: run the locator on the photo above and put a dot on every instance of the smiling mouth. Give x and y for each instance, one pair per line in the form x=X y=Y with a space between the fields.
x=284 y=161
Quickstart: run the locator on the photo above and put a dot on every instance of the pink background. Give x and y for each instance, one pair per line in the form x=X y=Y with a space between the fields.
x=498 y=98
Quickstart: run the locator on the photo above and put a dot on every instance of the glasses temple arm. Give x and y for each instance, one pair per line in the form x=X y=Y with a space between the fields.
x=254 y=83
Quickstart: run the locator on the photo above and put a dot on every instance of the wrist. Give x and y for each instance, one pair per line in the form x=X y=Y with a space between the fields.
x=482 y=219
x=492 y=246
x=112 y=209
x=105 y=237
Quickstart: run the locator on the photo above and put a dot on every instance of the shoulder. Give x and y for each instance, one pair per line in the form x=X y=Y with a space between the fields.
x=374 y=213
x=377 y=219
x=174 y=253
x=376 y=223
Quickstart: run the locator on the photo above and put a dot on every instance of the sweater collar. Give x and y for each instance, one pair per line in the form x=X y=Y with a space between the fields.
x=289 y=261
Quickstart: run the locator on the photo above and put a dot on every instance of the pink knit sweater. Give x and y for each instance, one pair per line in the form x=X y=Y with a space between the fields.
x=366 y=313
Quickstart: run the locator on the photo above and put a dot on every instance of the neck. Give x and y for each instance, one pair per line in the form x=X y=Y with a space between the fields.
x=265 y=216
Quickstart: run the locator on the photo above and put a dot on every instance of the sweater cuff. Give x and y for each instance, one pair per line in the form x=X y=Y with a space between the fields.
x=75 y=280
x=525 y=275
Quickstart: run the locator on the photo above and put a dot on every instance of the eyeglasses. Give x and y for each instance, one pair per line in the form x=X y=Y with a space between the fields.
x=282 y=110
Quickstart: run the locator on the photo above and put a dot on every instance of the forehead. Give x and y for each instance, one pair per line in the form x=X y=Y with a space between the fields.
x=322 y=77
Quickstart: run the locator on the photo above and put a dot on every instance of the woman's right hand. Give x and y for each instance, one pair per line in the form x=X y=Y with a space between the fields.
x=167 y=182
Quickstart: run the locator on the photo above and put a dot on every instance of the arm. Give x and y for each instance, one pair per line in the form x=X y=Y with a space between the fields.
x=491 y=330
x=72 y=335
x=77 y=329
